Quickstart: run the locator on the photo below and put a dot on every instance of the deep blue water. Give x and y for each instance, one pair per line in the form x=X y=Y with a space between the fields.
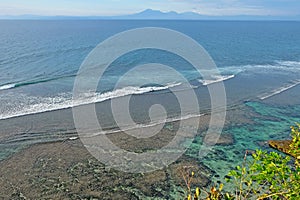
x=259 y=63
x=39 y=59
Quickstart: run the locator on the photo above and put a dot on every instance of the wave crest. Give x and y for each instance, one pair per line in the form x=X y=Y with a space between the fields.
x=216 y=79
x=8 y=86
x=65 y=100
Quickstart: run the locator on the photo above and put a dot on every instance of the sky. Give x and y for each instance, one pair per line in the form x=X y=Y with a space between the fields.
x=122 y=7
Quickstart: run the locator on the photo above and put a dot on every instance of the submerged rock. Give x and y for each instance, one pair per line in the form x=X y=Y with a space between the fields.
x=263 y=143
x=224 y=139
x=179 y=171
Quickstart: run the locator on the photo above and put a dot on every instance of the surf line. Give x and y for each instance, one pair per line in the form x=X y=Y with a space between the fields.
x=216 y=79
x=280 y=90
x=8 y=86
x=60 y=103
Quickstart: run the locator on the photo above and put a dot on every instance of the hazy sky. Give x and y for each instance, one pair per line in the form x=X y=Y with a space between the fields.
x=119 y=7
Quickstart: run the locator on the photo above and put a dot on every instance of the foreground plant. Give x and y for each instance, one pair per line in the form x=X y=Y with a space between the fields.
x=213 y=194
x=270 y=175
x=295 y=144
x=264 y=176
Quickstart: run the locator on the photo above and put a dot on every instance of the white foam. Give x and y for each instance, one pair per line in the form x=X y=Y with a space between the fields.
x=279 y=90
x=216 y=79
x=64 y=101
x=289 y=63
x=8 y=86
x=88 y=98
x=290 y=66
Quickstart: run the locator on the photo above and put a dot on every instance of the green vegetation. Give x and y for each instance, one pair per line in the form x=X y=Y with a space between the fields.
x=264 y=176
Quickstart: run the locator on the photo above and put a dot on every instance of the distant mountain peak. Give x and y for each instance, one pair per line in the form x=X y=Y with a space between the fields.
x=150 y=11
x=157 y=14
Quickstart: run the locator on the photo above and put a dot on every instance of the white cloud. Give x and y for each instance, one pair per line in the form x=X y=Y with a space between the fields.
x=225 y=7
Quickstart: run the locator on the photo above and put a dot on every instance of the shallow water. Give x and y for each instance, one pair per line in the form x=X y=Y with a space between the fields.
x=268 y=122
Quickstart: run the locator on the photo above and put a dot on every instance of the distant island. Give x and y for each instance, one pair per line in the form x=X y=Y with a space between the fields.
x=150 y=14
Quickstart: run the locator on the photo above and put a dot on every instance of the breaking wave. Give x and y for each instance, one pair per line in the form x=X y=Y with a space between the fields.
x=63 y=101
x=216 y=79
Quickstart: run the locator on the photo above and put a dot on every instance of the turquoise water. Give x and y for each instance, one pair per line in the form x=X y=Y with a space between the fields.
x=269 y=122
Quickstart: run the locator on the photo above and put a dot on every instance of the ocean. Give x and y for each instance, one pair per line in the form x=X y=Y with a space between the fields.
x=259 y=63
